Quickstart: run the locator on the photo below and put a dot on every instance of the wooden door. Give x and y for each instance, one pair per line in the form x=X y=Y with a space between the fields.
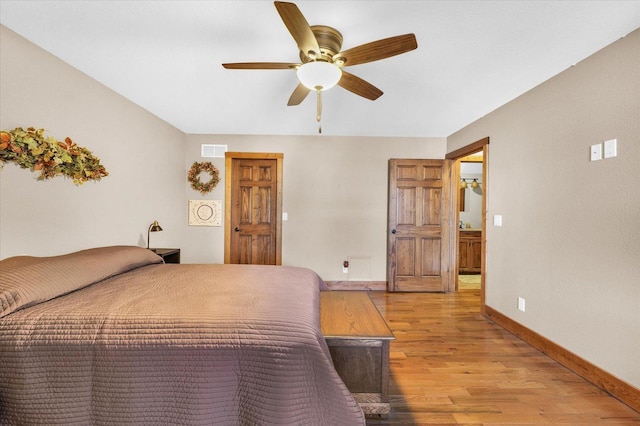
x=419 y=229
x=253 y=208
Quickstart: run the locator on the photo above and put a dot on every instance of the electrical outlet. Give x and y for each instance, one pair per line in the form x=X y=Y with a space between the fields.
x=521 y=304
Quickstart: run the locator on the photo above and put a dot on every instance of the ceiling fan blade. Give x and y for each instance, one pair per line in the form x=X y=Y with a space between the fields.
x=359 y=86
x=260 y=66
x=298 y=95
x=377 y=50
x=298 y=27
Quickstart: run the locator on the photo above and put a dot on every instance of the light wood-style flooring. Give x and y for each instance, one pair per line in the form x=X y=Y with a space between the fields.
x=450 y=365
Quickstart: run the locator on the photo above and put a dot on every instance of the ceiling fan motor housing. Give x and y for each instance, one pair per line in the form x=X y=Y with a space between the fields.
x=330 y=42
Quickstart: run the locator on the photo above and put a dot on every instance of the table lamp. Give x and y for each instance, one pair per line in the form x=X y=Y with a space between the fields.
x=154 y=227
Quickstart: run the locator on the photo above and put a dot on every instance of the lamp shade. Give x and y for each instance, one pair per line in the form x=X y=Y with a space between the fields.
x=319 y=75
x=155 y=226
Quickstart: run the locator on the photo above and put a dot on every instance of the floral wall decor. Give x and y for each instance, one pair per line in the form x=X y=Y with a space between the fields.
x=31 y=149
x=194 y=177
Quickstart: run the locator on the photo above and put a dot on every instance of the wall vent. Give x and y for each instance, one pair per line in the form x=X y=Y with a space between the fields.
x=213 y=151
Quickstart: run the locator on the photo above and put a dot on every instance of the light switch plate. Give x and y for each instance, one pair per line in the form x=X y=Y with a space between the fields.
x=497 y=220
x=610 y=148
x=596 y=152
x=521 y=304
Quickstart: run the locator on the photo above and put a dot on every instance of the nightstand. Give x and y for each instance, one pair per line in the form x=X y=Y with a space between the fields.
x=169 y=255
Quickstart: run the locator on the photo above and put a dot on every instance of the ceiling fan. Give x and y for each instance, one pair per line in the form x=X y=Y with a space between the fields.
x=322 y=62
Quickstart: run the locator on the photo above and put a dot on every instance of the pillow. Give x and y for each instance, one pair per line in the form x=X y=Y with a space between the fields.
x=28 y=280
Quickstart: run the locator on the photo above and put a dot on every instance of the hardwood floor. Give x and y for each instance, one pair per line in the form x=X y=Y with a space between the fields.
x=450 y=365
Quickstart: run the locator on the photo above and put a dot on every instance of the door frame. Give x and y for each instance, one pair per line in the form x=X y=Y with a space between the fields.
x=229 y=157
x=480 y=145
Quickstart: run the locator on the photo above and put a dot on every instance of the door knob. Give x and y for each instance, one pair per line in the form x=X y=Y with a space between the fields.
x=393 y=231
x=237 y=229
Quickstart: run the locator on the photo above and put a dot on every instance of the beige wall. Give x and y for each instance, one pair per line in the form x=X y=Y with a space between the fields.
x=144 y=156
x=570 y=240
x=334 y=192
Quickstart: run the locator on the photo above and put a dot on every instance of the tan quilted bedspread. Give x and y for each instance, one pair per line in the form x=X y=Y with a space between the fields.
x=164 y=344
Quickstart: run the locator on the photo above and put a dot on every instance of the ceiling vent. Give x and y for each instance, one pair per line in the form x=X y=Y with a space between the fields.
x=213 y=151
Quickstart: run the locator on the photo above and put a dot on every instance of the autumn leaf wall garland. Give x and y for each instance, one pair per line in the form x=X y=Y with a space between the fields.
x=30 y=149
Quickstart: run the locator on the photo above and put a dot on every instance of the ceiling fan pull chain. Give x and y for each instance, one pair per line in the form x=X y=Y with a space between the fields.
x=319 y=108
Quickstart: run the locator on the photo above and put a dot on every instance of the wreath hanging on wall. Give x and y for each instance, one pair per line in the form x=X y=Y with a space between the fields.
x=194 y=177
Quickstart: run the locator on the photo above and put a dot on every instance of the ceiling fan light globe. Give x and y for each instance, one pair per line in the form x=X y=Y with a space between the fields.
x=319 y=74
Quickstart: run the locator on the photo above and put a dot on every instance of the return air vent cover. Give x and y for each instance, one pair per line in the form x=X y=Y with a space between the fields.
x=213 y=151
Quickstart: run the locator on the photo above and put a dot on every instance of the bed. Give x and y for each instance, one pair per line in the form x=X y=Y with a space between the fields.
x=112 y=335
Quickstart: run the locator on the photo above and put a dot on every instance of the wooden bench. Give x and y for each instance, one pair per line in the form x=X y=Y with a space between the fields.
x=358 y=339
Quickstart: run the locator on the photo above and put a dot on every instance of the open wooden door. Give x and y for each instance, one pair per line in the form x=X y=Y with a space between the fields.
x=419 y=228
x=253 y=208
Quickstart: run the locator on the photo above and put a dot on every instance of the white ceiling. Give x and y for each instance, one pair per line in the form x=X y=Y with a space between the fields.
x=472 y=57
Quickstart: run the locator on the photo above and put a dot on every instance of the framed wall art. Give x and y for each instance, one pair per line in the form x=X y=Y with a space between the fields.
x=205 y=212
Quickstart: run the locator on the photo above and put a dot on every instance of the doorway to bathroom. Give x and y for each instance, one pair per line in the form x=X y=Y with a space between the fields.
x=470 y=201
